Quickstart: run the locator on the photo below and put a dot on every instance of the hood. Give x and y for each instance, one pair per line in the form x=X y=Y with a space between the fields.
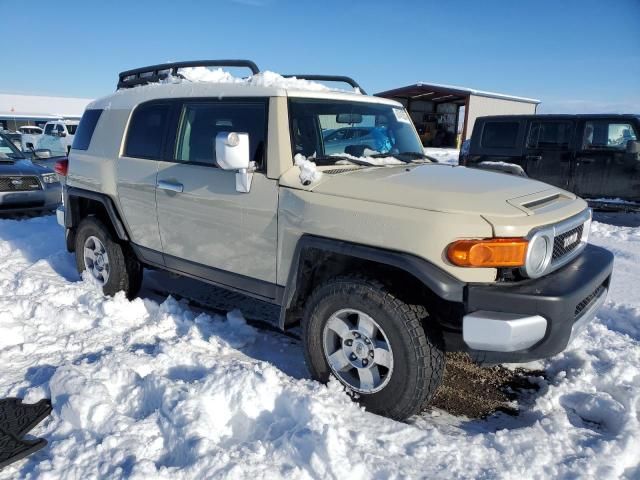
x=438 y=187
x=21 y=167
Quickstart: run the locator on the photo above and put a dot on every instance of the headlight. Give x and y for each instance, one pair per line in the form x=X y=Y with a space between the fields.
x=50 y=177
x=539 y=254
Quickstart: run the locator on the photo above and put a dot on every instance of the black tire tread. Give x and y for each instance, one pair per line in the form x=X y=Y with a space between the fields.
x=126 y=271
x=429 y=356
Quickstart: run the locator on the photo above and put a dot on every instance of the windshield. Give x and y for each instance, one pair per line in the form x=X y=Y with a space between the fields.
x=334 y=130
x=8 y=151
x=72 y=129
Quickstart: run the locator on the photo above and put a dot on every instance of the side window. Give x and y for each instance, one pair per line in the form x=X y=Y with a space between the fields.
x=500 y=134
x=607 y=135
x=60 y=128
x=85 y=130
x=146 y=131
x=550 y=135
x=48 y=129
x=201 y=123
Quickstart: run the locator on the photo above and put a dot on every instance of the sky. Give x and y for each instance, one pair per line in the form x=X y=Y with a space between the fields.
x=574 y=55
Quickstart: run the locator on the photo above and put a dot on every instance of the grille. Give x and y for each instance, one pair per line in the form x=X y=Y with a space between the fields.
x=334 y=171
x=587 y=301
x=19 y=184
x=559 y=248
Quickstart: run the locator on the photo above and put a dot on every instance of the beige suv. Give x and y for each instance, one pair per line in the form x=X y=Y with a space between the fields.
x=386 y=259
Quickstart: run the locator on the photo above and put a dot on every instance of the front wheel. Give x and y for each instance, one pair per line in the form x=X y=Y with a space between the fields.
x=109 y=263
x=374 y=344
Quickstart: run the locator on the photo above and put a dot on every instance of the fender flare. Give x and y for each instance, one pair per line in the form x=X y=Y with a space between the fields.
x=71 y=218
x=443 y=284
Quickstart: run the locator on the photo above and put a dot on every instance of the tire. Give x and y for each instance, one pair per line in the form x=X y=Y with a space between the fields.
x=416 y=365
x=124 y=272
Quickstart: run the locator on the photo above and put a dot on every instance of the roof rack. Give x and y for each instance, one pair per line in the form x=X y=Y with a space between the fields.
x=155 y=73
x=330 y=78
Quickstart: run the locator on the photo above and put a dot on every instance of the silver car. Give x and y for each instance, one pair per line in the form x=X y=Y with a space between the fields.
x=25 y=186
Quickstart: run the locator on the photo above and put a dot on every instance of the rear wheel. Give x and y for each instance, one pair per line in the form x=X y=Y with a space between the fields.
x=374 y=344
x=109 y=263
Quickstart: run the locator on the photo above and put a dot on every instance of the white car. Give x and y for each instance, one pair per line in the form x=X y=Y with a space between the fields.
x=58 y=137
x=30 y=137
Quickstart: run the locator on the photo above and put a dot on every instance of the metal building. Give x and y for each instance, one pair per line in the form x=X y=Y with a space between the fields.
x=444 y=114
x=20 y=110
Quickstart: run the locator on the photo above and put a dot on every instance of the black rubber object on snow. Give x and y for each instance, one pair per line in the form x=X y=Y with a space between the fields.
x=16 y=420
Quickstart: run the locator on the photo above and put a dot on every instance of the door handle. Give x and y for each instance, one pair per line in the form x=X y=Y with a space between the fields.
x=586 y=160
x=535 y=158
x=170 y=186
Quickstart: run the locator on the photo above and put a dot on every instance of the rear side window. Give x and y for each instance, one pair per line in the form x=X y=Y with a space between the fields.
x=85 y=130
x=550 y=135
x=146 y=131
x=48 y=129
x=500 y=134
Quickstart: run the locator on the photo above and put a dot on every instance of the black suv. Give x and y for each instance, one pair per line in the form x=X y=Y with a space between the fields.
x=594 y=156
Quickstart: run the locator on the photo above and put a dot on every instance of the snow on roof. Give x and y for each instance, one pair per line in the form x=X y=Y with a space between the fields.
x=205 y=82
x=480 y=93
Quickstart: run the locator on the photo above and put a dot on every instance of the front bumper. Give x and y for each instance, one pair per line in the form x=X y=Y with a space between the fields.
x=532 y=319
x=46 y=199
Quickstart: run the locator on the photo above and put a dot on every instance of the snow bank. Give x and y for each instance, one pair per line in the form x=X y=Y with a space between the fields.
x=147 y=389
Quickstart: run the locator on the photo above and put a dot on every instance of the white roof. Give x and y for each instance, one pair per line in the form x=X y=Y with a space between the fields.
x=480 y=93
x=41 y=107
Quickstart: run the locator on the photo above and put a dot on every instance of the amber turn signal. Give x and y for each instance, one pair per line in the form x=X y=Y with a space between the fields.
x=493 y=252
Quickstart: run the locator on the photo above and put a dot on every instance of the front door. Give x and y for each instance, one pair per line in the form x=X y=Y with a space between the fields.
x=548 y=151
x=208 y=229
x=603 y=168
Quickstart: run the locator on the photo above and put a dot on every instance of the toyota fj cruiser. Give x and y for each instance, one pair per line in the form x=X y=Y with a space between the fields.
x=386 y=259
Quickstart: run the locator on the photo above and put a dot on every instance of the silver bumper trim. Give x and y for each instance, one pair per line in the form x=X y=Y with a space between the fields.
x=502 y=332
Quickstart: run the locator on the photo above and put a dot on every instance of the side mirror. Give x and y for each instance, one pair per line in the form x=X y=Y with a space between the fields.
x=42 y=153
x=62 y=134
x=633 y=147
x=232 y=153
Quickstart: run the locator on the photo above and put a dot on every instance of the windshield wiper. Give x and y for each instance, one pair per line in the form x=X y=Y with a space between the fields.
x=408 y=155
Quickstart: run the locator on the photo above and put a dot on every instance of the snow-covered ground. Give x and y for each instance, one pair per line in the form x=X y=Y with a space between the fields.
x=443 y=155
x=154 y=389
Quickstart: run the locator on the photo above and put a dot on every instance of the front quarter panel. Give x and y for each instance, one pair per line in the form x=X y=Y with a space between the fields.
x=422 y=233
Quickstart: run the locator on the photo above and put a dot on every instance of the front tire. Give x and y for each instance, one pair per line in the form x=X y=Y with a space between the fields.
x=110 y=264
x=374 y=344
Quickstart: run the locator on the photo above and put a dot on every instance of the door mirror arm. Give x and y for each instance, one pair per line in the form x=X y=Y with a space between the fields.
x=232 y=153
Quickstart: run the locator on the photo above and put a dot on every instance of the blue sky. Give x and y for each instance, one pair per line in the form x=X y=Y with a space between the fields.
x=575 y=55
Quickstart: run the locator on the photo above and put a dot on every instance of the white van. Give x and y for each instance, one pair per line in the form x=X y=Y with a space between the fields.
x=58 y=136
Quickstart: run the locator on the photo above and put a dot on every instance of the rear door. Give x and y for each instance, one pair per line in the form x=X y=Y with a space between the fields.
x=548 y=152
x=208 y=229
x=603 y=168
x=137 y=171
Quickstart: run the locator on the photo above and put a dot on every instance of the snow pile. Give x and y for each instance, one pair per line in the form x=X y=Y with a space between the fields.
x=262 y=79
x=309 y=172
x=374 y=161
x=147 y=389
x=443 y=155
